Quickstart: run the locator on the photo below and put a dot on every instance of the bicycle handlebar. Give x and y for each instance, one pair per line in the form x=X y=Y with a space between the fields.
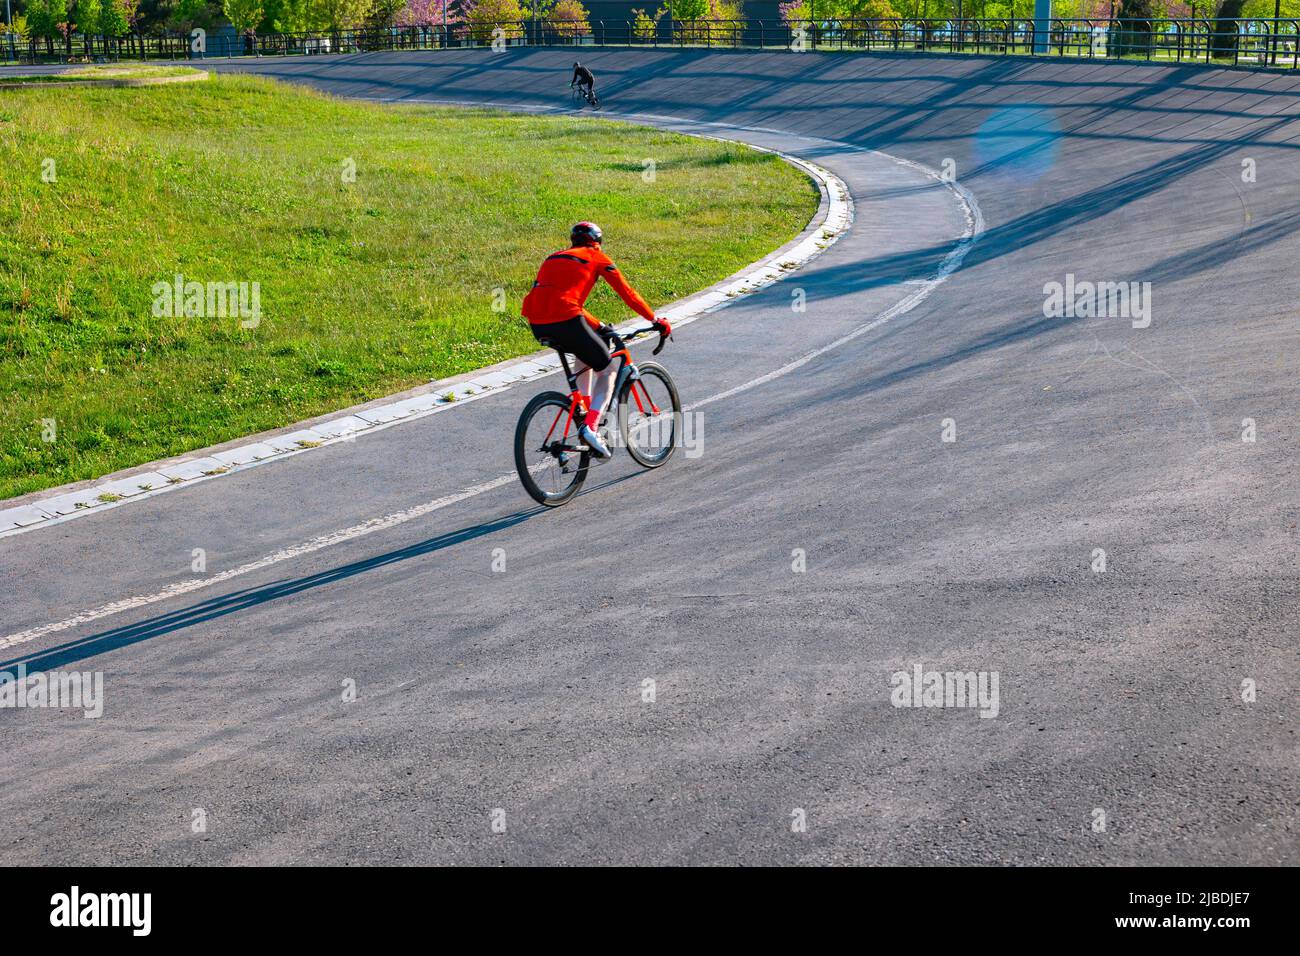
x=639 y=333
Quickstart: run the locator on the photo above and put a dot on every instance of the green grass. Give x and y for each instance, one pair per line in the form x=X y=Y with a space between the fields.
x=105 y=72
x=366 y=287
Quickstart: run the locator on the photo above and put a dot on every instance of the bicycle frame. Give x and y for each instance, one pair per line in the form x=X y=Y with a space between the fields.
x=577 y=405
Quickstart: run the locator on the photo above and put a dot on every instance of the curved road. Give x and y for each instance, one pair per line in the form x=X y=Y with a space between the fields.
x=1120 y=692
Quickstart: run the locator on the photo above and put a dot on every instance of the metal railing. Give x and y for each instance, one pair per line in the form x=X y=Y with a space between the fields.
x=1239 y=42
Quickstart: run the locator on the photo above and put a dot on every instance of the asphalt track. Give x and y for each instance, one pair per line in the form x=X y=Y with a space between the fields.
x=522 y=690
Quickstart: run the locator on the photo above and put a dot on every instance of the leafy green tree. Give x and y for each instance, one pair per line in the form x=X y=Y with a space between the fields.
x=383 y=13
x=85 y=17
x=187 y=14
x=112 y=19
x=865 y=10
x=484 y=16
x=287 y=16
x=827 y=10
x=644 y=26
x=43 y=19
x=1264 y=10
x=336 y=15
x=570 y=18
x=19 y=28
x=244 y=15
x=152 y=16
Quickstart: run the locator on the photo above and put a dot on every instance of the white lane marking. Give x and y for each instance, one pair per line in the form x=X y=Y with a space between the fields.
x=286 y=554
x=950 y=264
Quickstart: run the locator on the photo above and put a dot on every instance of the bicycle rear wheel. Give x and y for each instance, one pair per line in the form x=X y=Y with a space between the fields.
x=649 y=414
x=550 y=468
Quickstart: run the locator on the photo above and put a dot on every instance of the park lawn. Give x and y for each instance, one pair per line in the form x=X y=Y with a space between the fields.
x=368 y=284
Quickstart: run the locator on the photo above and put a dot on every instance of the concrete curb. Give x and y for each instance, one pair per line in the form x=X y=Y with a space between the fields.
x=54 y=506
x=137 y=81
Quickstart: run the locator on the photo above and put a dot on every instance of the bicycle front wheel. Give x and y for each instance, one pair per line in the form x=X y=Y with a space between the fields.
x=550 y=467
x=649 y=415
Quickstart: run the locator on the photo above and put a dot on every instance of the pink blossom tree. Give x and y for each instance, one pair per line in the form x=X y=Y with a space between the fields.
x=418 y=13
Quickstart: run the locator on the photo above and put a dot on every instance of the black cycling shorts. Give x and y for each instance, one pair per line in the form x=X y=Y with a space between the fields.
x=577 y=337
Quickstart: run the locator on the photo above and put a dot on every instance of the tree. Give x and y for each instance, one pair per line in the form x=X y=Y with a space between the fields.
x=187 y=14
x=336 y=15
x=112 y=19
x=42 y=24
x=826 y=10
x=244 y=15
x=644 y=26
x=286 y=16
x=418 y=13
x=699 y=15
x=863 y=10
x=570 y=18
x=19 y=28
x=1224 y=40
x=43 y=19
x=1132 y=35
x=131 y=10
x=485 y=16
x=384 y=13
x=85 y=18
x=131 y=14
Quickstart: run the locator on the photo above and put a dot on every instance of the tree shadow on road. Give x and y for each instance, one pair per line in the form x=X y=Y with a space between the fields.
x=218 y=607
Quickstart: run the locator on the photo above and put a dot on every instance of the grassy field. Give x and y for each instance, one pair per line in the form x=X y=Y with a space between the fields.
x=124 y=71
x=380 y=239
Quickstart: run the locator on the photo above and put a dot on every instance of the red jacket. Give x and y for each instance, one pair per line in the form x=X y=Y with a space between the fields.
x=567 y=278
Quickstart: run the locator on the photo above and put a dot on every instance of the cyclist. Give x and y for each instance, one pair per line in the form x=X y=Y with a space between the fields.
x=586 y=81
x=556 y=313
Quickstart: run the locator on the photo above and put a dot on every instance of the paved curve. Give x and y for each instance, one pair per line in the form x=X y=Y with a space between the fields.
x=521 y=690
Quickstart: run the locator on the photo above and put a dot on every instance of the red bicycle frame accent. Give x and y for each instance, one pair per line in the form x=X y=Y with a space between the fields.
x=579 y=403
x=654 y=409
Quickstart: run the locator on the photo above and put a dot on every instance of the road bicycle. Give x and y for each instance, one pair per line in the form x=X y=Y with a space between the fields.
x=553 y=461
x=587 y=93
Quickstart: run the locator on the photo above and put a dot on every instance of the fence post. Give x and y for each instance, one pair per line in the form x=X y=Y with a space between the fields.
x=1042 y=26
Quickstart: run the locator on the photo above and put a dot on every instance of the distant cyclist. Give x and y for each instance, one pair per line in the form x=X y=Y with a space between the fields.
x=556 y=313
x=585 y=81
